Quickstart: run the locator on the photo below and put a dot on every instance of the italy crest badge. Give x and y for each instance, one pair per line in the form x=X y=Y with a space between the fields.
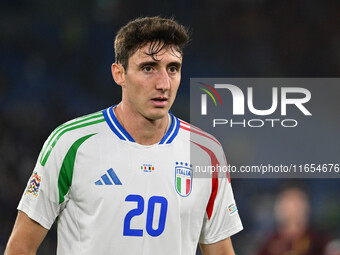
x=183 y=178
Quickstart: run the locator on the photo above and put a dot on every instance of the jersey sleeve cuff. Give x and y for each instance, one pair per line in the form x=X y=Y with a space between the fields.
x=35 y=216
x=223 y=235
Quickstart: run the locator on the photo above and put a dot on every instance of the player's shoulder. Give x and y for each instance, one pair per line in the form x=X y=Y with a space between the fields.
x=72 y=133
x=198 y=136
x=81 y=126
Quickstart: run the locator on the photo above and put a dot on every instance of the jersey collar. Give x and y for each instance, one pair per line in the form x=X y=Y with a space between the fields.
x=122 y=134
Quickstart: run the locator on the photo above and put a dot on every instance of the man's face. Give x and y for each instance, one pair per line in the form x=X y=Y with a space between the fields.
x=151 y=85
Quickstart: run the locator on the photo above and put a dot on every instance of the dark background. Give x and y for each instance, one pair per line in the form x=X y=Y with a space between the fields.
x=55 y=59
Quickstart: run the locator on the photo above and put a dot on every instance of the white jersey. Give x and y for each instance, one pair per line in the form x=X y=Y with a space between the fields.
x=114 y=196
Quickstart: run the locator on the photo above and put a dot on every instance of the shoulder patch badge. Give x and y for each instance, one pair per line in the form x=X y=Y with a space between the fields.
x=34 y=185
x=183 y=178
x=232 y=208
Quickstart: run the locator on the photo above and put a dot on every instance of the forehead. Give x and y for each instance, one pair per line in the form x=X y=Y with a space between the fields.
x=150 y=52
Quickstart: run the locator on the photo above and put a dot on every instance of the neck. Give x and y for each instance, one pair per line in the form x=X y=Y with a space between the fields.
x=144 y=131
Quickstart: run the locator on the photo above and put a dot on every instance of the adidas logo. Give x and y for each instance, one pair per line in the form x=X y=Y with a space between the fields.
x=108 y=178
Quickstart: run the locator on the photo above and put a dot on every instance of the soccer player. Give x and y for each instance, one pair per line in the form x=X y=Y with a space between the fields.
x=123 y=180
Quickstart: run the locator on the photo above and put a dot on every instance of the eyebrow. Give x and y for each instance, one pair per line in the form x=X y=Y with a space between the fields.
x=155 y=63
x=148 y=63
x=175 y=63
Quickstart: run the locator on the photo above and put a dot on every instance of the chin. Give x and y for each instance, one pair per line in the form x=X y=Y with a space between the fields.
x=157 y=114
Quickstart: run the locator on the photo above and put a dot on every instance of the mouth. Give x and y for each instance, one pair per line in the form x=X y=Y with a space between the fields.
x=159 y=101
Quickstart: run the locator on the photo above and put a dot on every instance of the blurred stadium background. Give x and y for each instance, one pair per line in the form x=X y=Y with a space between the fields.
x=55 y=59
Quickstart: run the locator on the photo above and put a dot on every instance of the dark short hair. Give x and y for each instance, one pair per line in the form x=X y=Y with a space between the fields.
x=159 y=31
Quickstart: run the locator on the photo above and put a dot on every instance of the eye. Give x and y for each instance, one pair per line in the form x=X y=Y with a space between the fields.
x=147 y=69
x=173 y=69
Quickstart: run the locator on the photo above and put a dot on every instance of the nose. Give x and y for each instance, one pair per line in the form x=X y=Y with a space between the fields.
x=163 y=81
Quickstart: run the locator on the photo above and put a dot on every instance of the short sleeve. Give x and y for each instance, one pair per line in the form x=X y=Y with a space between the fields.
x=222 y=219
x=40 y=200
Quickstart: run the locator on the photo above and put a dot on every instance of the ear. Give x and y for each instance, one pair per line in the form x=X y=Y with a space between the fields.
x=118 y=74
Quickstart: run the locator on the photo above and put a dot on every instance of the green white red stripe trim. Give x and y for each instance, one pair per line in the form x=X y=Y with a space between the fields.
x=81 y=122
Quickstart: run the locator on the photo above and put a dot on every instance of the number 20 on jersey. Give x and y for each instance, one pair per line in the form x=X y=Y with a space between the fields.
x=128 y=231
